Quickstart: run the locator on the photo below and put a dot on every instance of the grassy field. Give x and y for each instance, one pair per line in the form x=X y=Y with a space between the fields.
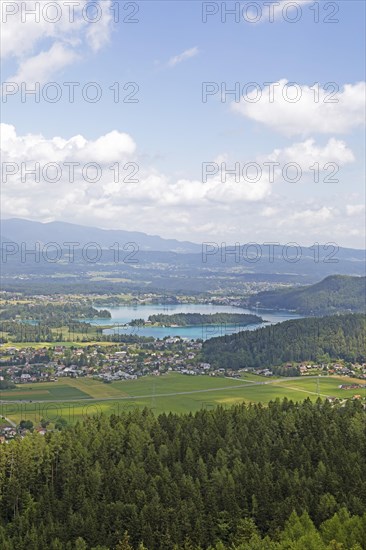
x=77 y=398
x=42 y=392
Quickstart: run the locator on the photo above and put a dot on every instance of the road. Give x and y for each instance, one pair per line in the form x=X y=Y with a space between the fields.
x=10 y=422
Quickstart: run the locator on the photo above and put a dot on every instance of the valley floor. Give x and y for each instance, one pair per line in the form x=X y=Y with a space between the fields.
x=75 y=398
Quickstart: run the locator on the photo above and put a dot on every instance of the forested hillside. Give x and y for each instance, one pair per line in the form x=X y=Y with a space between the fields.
x=53 y=315
x=336 y=293
x=191 y=319
x=316 y=339
x=226 y=475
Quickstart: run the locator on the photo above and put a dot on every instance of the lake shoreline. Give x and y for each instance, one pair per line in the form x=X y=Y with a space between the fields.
x=122 y=315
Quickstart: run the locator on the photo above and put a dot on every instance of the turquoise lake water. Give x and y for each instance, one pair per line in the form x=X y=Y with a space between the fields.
x=124 y=314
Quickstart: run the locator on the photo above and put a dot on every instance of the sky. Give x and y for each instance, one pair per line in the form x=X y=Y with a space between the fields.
x=203 y=121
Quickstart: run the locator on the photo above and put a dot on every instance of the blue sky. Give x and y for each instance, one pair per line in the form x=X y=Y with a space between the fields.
x=169 y=53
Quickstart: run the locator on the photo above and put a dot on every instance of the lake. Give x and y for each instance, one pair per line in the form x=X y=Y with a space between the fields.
x=124 y=314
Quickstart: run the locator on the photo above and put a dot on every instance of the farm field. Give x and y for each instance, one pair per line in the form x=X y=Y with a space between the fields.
x=44 y=391
x=327 y=386
x=76 y=398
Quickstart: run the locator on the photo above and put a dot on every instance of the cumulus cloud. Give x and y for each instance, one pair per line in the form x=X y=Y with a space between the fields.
x=302 y=161
x=109 y=148
x=311 y=158
x=117 y=147
x=316 y=110
x=40 y=67
x=97 y=35
x=310 y=222
x=156 y=203
x=311 y=216
x=354 y=209
x=43 y=38
x=307 y=152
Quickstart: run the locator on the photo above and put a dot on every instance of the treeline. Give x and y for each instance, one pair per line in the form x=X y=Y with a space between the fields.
x=337 y=293
x=223 y=478
x=191 y=319
x=43 y=332
x=7 y=385
x=53 y=315
x=25 y=332
x=341 y=532
x=76 y=331
x=312 y=339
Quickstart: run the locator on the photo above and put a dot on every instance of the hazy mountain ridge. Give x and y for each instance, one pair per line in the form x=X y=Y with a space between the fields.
x=18 y=230
x=156 y=263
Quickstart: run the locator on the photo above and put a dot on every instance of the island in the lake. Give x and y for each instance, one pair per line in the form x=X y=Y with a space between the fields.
x=193 y=319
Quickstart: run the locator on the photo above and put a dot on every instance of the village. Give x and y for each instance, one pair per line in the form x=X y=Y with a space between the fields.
x=129 y=361
x=107 y=363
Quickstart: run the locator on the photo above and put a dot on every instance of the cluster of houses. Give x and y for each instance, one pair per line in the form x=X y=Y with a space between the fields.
x=108 y=362
x=9 y=433
x=265 y=372
x=352 y=386
x=119 y=375
x=356 y=370
x=128 y=361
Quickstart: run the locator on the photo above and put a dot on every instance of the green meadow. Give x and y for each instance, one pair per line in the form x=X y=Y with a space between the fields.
x=76 y=398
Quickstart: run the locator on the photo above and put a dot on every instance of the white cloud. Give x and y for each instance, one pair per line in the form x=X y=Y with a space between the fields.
x=354 y=209
x=98 y=35
x=313 y=216
x=280 y=11
x=46 y=39
x=315 y=111
x=187 y=54
x=112 y=147
x=41 y=66
x=108 y=148
x=307 y=153
x=157 y=204
x=303 y=162
x=269 y=211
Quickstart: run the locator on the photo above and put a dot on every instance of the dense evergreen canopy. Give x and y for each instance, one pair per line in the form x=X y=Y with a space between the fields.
x=223 y=478
x=311 y=339
x=191 y=319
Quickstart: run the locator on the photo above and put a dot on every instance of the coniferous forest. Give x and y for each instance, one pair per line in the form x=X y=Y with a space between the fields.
x=191 y=319
x=310 y=339
x=286 y=476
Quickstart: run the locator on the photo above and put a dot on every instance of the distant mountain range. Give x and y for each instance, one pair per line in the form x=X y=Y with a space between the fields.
x=158 y=264
x=333 y=294
x=19 y=230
